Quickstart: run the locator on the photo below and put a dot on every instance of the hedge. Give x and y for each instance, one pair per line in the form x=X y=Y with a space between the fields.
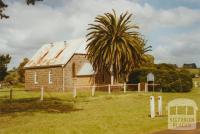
x=170 y=80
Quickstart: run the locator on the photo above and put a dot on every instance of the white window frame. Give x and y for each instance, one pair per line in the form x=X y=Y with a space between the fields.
x=35 y=78
x=50 y=77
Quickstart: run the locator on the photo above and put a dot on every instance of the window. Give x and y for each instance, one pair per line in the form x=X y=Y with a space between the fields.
x=35 y=78
x=50 y=77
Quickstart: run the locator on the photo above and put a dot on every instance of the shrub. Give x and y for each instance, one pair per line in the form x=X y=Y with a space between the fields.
x=12 y=78
x=170 y=80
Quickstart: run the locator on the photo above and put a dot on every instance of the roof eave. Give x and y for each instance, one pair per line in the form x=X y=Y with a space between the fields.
x=43 y=66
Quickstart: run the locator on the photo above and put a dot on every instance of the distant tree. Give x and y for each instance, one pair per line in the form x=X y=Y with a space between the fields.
x=149 y=60
x=32 y=1
x=21 y=70
x=4 y=61
x=166 y=66
x=12 y=77
x=3 y=6
x=192 y=66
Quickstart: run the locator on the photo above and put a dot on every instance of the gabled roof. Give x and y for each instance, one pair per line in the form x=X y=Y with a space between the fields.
x=57 y=53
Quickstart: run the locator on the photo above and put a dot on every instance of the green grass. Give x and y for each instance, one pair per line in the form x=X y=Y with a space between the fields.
x=193 y=71
x=59 y=113
x=196 y=79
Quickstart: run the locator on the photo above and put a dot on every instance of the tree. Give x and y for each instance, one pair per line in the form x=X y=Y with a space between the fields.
x=4 y=61
x=12 y=77
x=3 y=6
x=149 y=60
x=115 y=45
x=192 y=66
x=21 y=70
x=167 y=66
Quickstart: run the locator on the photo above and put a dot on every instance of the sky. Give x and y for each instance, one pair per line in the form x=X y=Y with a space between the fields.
x=171 y=27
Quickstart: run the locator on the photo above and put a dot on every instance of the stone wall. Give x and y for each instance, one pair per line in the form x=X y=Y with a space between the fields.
x=70 y=78
x=78 y=60
x=57 y=75
x=43 y=78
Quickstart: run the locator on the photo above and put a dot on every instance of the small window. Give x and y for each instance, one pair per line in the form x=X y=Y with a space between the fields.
x=35 y=78
x=50 y=77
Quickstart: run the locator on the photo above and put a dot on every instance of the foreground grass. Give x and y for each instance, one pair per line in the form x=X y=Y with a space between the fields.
x=61 y=114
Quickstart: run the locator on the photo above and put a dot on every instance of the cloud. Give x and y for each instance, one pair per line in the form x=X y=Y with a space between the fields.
x=31 y=26
x=179 y=17
x=179 y=48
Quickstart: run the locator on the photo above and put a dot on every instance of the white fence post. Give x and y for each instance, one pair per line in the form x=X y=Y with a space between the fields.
x=139 y=87
x=146 y=87
x=160 y=105
x=152 y=107
x=109 y=89
x=124 y=87
x=74 y=92
x=42 y=94
x=195 y=84
x=93 y=90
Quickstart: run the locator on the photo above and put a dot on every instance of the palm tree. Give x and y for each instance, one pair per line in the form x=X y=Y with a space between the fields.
x=115 y=45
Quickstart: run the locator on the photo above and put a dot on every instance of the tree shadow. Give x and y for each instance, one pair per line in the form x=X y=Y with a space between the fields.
x=52 y=105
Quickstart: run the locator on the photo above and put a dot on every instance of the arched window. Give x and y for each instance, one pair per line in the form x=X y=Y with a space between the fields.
x=73 y=70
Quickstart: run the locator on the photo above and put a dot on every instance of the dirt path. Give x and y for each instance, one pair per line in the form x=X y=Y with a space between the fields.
x=196 y=131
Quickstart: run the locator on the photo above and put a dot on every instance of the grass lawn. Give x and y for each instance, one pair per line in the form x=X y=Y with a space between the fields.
x=59 y=113
x=193 y=71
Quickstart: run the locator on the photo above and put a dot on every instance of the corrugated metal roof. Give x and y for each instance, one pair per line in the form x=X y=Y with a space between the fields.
x=86 y=69
x=57 y=53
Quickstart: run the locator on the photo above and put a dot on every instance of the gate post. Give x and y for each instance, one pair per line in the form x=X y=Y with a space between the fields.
x=42 y=94
x=152 y=107
x=124 y=87
x=74 y=92
x=146 y=87
x=109 y=89
x=139 y=87
x=93 y=90
x=160 y=105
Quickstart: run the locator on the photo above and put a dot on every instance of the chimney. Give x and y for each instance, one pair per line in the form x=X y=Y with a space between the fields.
x=51 y=44
x=65 y=43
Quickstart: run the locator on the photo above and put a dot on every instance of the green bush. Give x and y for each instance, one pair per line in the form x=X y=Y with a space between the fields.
x=12 y=78
x=170 y=80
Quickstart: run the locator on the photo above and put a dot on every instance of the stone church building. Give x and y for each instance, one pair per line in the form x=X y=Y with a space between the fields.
x=60 y=66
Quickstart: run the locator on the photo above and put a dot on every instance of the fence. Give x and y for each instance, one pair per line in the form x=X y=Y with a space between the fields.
x=113 y=88
x=92 y=90
x=10 y=92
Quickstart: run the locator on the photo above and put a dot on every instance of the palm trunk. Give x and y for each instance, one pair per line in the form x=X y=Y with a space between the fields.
x=112 y=75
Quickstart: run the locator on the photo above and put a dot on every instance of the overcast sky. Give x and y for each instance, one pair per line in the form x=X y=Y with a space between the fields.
x=172 y=27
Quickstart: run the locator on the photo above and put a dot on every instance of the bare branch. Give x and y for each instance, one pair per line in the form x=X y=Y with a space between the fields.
x=32 y=2
x=3 y=6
